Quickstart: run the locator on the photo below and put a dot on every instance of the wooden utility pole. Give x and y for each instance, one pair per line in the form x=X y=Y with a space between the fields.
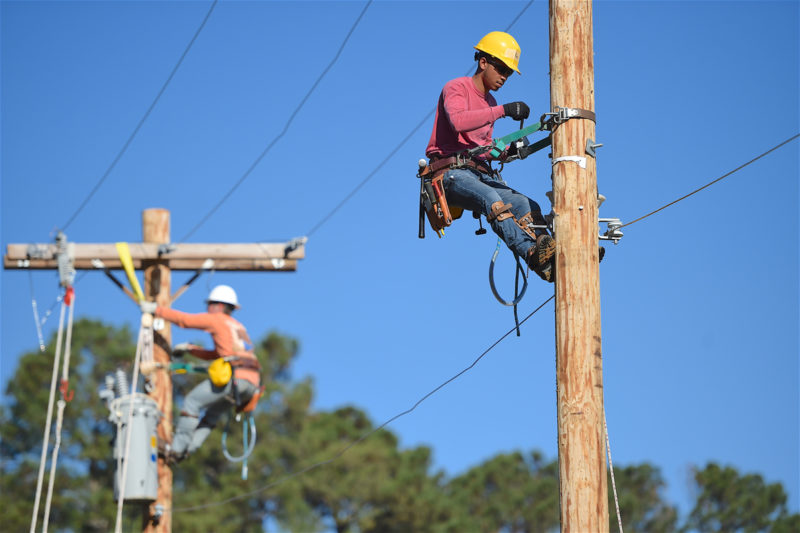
x=157 y=258
x=579 y=368
x=157 y=278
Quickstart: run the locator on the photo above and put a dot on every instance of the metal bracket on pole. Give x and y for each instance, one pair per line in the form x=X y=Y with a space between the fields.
x=613 y=232
x=591 y=146
x=293 y=245
x=164 y=249
x=36 y=251
x=563 y=114
x=158 y=513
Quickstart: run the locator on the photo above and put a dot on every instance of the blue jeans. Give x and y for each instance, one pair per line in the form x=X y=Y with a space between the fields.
x=476 y=191
x=191 y=431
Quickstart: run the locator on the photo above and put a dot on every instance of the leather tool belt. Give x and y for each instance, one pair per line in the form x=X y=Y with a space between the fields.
x=433 y=202
x=457 y=161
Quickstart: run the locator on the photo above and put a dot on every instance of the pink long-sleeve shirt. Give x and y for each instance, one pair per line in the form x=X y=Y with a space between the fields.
x=464 y=118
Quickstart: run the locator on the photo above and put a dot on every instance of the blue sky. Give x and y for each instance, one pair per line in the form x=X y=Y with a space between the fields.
x=699 y=302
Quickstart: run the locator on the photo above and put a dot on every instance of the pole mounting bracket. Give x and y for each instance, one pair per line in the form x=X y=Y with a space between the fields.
x=562 y=114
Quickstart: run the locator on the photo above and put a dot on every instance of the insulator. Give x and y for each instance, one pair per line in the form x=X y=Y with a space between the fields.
x=122 y=387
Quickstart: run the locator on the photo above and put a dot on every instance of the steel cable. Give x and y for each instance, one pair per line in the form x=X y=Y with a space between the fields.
x=282 y=132
x=366 y=435
x=790 y=139
x=141 y=121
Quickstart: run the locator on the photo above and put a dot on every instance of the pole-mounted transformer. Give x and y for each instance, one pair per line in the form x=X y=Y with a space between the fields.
x=141 y=483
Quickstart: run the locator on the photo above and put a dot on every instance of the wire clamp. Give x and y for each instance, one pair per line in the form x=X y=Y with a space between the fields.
x=158 y=514
x=293 y=245
x=613 y=232
x=36 y=251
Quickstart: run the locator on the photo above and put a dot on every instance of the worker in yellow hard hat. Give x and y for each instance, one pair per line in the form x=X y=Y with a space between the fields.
x=233 y=375
x=464 y=120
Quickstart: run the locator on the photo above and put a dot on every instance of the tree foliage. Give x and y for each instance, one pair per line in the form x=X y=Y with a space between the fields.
x=641 y=504
x=730 y=502
x=314 y=471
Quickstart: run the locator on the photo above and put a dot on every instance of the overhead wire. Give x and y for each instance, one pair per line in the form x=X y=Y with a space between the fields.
x=366 y=435
x=790 y=139
x=282 y=132
x=309 y=233
x=397 y=147
x=141 y=121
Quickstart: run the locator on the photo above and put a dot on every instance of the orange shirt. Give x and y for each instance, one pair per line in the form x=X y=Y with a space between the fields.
x=229 y=336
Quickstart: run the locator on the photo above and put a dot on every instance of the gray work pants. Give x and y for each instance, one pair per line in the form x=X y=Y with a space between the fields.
x=191 y=430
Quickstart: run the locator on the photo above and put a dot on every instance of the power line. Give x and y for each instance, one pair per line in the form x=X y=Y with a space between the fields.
x=396 y=148
x=282 y=133
x=790 y=139
x=143 y=119
x=367 y=434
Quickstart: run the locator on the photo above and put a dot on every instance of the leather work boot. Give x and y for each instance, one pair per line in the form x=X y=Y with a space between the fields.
x=168 y=454
x=540 y=257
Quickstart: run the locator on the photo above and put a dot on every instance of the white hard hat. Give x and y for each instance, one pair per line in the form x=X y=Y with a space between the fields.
x=223 y=294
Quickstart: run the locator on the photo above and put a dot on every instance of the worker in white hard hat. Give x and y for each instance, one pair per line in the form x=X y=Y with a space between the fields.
x=465 y=119
x=234 y=374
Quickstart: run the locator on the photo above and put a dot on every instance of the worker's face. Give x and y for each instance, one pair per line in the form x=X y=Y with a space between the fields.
x=215 y=307
x=495 y=73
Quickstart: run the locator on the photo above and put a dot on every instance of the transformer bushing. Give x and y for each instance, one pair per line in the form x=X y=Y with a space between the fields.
x=141 y=483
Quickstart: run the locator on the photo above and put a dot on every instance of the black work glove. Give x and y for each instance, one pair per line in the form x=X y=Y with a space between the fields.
x=517 y=110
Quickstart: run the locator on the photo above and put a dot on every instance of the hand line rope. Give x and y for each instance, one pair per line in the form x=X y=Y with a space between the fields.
x=69 y=300
x=611 y=469
x=790 y=139
x=143 y=345
x=142 y=120
x=282 y=133
x=397 y=147
x=48 y=419
x=366 y=435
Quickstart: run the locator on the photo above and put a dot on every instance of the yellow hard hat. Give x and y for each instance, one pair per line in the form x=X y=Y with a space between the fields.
x=502 y=46
x=220 y=372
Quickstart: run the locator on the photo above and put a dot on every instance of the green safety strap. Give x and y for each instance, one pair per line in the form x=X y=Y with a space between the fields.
x=498 y=145
x=184 y=368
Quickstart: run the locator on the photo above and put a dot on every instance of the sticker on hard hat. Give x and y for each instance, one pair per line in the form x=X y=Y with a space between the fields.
x=513 y=54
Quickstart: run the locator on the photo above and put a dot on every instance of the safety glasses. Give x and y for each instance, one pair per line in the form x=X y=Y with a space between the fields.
x=500 y=67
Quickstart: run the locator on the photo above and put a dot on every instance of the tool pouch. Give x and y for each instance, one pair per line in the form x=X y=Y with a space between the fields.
x=250 y=405
x=434 y=203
